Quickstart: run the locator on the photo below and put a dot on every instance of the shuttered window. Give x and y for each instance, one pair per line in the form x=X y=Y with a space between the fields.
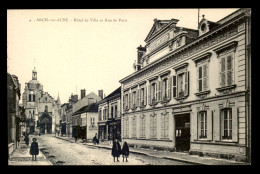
x=164 y=125
x=142 y=126
x=153 y=126
x=126 y=127
x=227 y=123
x=203 y=124
x=134 y=127
x=203 y=77
x=226 y=70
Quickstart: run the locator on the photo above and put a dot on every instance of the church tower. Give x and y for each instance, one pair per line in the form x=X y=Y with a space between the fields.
x=34 y=74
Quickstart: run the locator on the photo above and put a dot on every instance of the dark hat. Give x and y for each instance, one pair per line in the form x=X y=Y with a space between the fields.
x=34 y=139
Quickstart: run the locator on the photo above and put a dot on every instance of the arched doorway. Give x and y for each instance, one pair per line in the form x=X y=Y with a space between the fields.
x=45 y=122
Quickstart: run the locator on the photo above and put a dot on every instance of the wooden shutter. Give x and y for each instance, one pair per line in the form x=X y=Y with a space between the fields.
x=124 y=101
x=222 y=72
x=205 y=76
x=229 y=70
x=174 y=86
x=138 y=103
x=217 y=125
x=209 y=124
x=169 y=87
x=200 y=79
x=196 y=126
x=160 y=91
x=157 y=90
x=235 y=112
x=149 y=93
x=130 y=100
x=186 y=90
x=145 y=95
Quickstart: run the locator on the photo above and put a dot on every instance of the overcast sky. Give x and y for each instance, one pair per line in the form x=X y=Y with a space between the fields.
x=90 y=55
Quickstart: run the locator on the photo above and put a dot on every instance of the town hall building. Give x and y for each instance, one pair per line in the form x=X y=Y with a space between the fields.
x=190 y=91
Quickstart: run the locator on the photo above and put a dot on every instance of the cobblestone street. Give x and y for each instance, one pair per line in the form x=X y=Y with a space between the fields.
x=61 y=152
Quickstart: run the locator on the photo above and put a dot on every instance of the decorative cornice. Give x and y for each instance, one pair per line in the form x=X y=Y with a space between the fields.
x=183 y=65
x=164 y=73
x=203 y=56
x=153 y=78
x=229 y=45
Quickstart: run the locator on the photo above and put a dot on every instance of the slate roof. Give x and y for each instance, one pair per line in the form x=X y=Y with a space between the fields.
x=93 y=107
x=112 y=94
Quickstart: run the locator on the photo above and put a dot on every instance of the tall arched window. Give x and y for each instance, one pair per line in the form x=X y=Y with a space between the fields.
x=46 y=108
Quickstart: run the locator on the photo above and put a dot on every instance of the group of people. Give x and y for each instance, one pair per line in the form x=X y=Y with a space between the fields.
x=116 y=148
x=117 y=151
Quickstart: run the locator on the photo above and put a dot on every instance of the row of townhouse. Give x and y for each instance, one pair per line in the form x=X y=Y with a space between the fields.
x=190 y=91
x=15 y=113
x=80 y=117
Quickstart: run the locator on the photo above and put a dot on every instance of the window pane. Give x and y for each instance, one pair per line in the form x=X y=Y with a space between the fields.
x=200 y=72
x=225 y=133
x=225 y=124
x=204 y=84
x=223 y=79
x=205 y=115
x=225 y=114
x=229 y=78
x=230 y=114
x=229 y=63
x=223 y=65
x=230 y=132
x=205 y=71
x=200 y=85
x=230 y=124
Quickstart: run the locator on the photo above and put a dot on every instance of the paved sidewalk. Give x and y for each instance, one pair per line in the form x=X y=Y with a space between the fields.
x=21 y=157
x=177 y=156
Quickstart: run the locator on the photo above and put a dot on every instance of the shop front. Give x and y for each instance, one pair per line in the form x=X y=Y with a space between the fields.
x=114 y=130
x=101 y=131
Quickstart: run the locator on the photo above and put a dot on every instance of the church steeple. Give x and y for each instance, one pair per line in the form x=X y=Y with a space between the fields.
x=34 y=74
x=58 y=99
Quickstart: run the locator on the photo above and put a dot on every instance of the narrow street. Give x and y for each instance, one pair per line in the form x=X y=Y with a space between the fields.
x=61 y=152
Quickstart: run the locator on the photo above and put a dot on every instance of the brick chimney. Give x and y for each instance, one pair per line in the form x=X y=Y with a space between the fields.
x=100 y=93
x=140 y=52
x=83 y=93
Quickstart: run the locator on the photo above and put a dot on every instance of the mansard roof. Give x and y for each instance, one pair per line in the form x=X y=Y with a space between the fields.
x=226 y=21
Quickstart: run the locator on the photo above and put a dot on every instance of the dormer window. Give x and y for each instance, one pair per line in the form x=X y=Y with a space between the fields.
x=203 y=27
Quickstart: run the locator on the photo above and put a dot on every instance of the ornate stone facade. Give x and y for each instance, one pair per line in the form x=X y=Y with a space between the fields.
x=196 y=90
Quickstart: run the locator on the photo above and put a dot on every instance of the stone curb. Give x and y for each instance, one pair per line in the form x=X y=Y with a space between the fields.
x=163 y=157
x=142 y=153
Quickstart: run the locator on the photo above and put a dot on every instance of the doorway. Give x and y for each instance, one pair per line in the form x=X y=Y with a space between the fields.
x=182 y=132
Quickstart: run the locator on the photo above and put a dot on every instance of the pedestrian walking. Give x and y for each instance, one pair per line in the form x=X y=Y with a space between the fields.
x=34 y=150
x=95 y=139
x=116 y=150
x=26 y=139
x=125 y=151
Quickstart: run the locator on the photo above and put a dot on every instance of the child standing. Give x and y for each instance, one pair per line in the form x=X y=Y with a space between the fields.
x=116 y=150
x=34 y=150
x=125 y=151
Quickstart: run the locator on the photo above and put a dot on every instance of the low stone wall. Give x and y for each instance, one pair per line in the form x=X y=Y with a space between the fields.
x=234 y=157
x=148 y=144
